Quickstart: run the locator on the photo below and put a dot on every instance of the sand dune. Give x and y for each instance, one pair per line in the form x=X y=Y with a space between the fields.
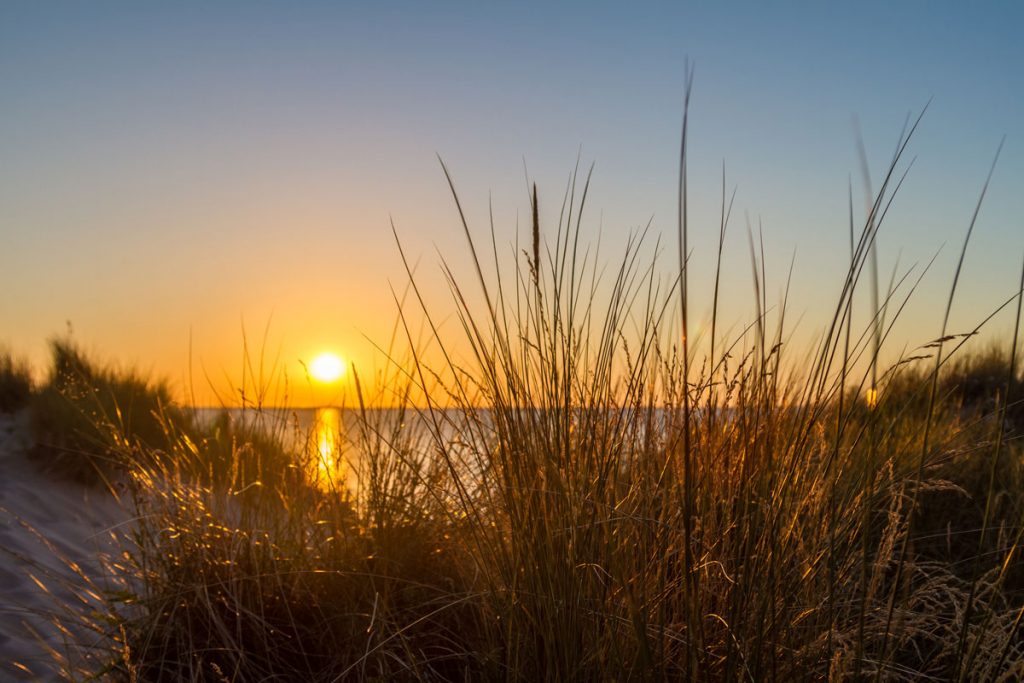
x=56 y=538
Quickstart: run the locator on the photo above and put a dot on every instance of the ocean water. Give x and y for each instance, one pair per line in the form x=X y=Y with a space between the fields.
x=333 y=443
x=330 y=442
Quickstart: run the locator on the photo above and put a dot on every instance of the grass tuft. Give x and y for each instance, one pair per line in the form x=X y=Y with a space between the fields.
x=84 y=414
x=573 y=490
x=15 y=383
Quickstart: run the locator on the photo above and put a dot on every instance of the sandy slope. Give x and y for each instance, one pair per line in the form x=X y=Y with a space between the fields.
x=38 y=578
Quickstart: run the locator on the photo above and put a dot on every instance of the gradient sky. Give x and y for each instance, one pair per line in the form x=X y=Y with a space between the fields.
x=171 y=172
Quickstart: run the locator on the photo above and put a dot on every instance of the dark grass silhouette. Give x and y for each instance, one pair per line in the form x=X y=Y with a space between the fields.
x=15 y=383
x=578 y=491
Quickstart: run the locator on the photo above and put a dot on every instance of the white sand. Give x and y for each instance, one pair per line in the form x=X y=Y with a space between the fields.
x=80 y=527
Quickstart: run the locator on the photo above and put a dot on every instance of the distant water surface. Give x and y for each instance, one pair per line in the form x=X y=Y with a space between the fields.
x=327 y=439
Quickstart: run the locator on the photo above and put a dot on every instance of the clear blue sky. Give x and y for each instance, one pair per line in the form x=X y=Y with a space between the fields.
x=172 y=169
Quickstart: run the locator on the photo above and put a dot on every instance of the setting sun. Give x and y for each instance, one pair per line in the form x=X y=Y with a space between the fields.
x=327 y=368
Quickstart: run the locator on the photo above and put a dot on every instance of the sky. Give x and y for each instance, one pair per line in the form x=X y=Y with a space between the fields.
x=181 y=181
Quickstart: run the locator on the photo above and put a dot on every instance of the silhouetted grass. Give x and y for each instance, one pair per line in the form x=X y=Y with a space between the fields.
x=84 y=407
x=15 y=383
x=577 y=491
x=555 y=532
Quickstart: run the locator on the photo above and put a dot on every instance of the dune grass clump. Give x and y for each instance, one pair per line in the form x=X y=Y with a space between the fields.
x=15 y=383
x=982 y=381
x=237 y=450
x=83 y=407
x=638 y=514
x=288 y=576
x=579 y=491
x=92 y=423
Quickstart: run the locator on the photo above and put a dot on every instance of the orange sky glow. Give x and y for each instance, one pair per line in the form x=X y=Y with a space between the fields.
x=202 y=192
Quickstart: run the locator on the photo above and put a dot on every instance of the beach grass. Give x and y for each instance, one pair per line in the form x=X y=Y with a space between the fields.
x=578 y=491
x=85 y=408
x=15 y=383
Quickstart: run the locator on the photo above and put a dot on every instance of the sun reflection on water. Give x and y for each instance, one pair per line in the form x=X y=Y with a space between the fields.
x=328 y=468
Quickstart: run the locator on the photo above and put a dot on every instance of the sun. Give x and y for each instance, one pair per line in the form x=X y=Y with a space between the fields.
x=327 y=368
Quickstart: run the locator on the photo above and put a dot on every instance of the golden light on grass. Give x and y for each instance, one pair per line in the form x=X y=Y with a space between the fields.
x=560 y=499
x=327 y=368
x=872 y=397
